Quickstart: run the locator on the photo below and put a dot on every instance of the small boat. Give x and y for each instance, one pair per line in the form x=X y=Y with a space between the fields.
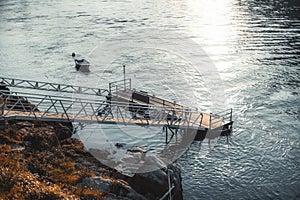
x=81 y=64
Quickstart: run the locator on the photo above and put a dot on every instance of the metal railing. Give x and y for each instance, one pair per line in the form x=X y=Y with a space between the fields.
x=31 y=101
x=54 y=87
x=121 y=85
x=218 y=119
x=53 y=108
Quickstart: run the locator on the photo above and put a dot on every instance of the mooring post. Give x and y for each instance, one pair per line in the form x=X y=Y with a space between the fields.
x=124 y=73
x=210 y=120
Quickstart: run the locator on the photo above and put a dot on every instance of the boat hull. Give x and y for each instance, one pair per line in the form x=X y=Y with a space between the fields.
x=82 y=65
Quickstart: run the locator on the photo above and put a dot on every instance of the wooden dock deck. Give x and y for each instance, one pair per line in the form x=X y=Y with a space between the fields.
x=21 y=115
x=204 y=121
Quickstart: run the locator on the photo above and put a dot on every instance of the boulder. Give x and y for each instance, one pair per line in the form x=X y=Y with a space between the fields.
x=154 y=184
x=116 y=188
x=149 y=175
x=146 y=175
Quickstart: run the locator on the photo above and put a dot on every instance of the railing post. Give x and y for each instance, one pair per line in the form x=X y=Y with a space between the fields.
x=201 y=119
x=109 y=85
x=166 y=135
x=210 y=120
x=3 y=104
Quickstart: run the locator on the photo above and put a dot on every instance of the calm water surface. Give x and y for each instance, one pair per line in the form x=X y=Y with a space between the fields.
x=254 y=45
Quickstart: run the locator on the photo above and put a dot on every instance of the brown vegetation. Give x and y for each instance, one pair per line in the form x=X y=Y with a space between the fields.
x=40 y=160
x=34 y=166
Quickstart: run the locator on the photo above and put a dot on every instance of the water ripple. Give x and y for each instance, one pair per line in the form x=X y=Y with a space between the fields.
x=253 y=43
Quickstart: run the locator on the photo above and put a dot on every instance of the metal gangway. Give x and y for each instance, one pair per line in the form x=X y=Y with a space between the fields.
x=35 y=100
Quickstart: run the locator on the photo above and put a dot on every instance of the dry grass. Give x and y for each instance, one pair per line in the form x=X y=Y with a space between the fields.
x=52 y=177
x=11 y=136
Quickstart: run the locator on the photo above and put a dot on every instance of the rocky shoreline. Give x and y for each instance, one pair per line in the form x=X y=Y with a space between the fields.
x=41 y=160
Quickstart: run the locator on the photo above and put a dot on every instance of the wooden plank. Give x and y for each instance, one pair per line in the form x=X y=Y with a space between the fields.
x=96 y=119
x=158 y=102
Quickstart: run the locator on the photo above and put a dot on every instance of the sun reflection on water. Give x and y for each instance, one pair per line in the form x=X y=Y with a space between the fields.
x=212 y=23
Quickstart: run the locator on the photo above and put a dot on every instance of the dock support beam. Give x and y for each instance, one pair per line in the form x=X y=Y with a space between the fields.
x=173 y=133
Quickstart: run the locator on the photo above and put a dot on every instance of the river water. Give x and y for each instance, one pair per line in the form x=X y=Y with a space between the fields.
x=254 y=46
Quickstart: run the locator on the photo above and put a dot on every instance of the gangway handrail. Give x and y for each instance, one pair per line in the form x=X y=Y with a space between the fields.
x=85 y=100
x=64 y=107
x=38 y=96
x=221 y=117
x=221 y=112
x=153 y=99
x=34 y=97
x=116 y=85
x=55 y=87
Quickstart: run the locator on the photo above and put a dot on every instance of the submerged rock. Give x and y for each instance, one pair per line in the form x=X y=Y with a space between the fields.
x=147 y=175
x=154 y=184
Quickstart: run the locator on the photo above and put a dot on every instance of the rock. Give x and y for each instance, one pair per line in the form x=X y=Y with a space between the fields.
x=120 y=145
x=42 y=140
x=154 y=184
x=116 y=187
x=53 y=152
x=96 y=183
x=136 y=149
x=147 y=175
x=63 y=130
x=101 y=155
